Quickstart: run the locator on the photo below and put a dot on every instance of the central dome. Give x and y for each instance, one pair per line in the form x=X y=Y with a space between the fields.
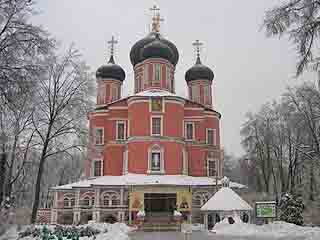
x=154 y=46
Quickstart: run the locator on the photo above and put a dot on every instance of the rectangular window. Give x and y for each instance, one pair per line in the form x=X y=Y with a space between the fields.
x=212 y=168
x=155 y=161
x=156 y=105
x=207 y=94
x=97 y=168
x=169 y=78
x=211 y=136
x=189 y=131
x=114 y=93
x=195 y=93
x=146 y=76
x=156 y=126
x=121 y=135
x=98 y=136
x=157 y=72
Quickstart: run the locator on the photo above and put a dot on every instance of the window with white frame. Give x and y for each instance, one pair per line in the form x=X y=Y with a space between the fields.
x=111 y=198
x=211 y=136
x=211 y=165
x=189 y=131
x=99 y=135
x=121 y=130
x=68 y=200
x=97 y=168
x=156 y=162
x=212 y=170
x=156 y=126
x=200 y=198
x=157 y=72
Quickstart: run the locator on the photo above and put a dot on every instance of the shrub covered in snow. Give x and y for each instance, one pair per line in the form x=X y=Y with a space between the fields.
x=63 y=231
x=291 y=208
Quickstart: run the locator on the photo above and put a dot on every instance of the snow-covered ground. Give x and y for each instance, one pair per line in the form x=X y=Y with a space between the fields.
x=116 y=231
x=273 y=230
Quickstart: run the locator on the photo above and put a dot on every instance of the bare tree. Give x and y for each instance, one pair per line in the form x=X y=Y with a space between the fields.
x=282 y=140
x=299 y=19
x=21 y=46
x=63 y=101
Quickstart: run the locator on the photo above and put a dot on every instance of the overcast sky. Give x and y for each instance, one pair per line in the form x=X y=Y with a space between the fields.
x=249 y=68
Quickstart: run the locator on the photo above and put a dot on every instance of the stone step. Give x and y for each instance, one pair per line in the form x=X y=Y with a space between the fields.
x=159 y=227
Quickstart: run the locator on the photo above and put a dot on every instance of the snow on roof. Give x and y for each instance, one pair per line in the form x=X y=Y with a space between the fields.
x=142 y=179
x=156 y=93
x=226 y=200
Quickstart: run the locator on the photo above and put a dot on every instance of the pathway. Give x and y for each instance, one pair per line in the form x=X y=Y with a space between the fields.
x=194 y=236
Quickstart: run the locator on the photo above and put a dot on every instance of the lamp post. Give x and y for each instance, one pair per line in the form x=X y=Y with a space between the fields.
x=3 y=159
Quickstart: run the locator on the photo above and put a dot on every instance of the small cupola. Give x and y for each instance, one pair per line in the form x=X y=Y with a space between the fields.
x=109 y=79
x=199 y=71
x=111 y=70
x=199 y=80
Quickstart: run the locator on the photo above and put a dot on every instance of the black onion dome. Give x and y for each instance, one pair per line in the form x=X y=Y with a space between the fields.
x=154 y=45
x=199 y=71
x=111 y=70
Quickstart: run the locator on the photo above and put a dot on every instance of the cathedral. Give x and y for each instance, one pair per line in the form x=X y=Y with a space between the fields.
x=153 y=152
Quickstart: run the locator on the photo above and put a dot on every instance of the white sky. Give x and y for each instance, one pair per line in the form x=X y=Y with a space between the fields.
x=249 y=68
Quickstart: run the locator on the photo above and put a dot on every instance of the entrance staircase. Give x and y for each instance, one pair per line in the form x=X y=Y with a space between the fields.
x=160 y=222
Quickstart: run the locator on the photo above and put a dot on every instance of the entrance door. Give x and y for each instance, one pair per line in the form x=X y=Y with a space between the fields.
x=160 y=202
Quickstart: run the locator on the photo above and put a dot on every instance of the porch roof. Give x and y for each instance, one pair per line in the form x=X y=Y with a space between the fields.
x=226 y=200
x=143 y=179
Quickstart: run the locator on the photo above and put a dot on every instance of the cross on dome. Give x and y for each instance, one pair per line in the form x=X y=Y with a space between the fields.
x=112 y=43
x=156 y=19
x=197 y=44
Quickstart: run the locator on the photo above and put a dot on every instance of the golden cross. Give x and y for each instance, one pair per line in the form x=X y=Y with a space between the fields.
x=112 y=42
x=156 y=19
x=197 y=44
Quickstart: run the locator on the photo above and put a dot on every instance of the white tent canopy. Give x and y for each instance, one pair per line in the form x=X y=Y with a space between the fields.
x=226 y=200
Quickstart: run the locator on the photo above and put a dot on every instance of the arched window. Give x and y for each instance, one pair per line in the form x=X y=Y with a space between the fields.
x=200 y=198
x=86 y=201
x=68 y=200
x=156 y=159
x=111 y=198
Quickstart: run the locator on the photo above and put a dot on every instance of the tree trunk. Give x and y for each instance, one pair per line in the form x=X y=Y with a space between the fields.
x=8 y=186
x=3 y=160
x=38 y=183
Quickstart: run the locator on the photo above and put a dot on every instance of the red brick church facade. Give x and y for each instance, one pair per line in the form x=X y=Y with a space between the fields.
x=151 y=145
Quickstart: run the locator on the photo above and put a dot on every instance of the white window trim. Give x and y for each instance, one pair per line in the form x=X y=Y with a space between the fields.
x=157 y=150
x=161 y=125
x=214 y=136
x=92 y=167
x=154 y=73
x=95 y=136
x=125 y=129
x=193 y=130
x=163 y=103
